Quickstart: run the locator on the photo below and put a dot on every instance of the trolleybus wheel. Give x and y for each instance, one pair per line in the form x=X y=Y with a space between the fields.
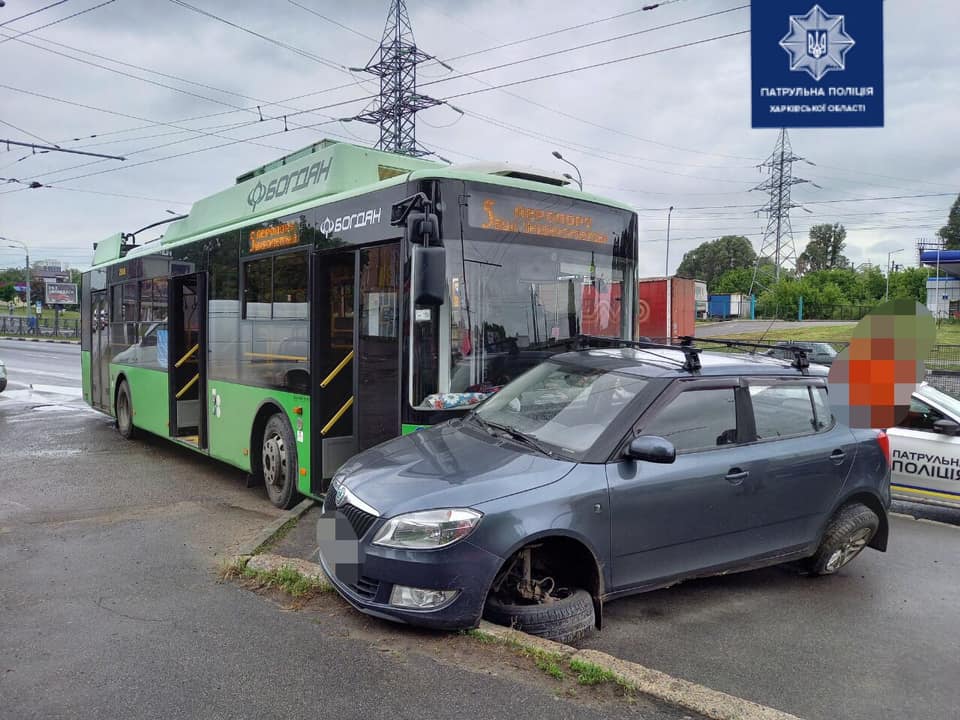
x=124 y=411
x=279 y=462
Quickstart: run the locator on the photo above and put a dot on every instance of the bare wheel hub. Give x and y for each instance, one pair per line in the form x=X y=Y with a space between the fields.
x=849 y=550
x=274 y=461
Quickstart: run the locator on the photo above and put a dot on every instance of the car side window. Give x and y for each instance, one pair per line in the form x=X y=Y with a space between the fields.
x=697 y=420
x=921 y=416
x=782 y=411
x=821 y=408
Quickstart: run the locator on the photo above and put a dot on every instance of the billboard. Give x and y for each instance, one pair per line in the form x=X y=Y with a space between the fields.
x=817 y=66
x=61 y=293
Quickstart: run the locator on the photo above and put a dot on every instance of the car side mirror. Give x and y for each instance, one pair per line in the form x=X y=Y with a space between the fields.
x=946 y=427
x=651 y=448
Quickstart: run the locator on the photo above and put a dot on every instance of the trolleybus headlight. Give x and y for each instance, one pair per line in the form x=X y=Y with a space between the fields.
x=428 y=529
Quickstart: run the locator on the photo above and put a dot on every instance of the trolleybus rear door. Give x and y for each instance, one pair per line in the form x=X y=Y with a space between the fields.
x=187 y=358
x=100 y=351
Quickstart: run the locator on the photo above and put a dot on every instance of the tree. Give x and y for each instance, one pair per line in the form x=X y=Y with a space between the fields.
x=846 y=279
x=872 y=284
x=825 y=249
x=734 y=281
x=950 y=233
x=712 y=259
x=909 y=283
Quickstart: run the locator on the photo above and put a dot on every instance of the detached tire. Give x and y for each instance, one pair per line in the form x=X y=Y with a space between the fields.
x=565 y=620
x=278 y=457
x=850 y=531
x=125 y=411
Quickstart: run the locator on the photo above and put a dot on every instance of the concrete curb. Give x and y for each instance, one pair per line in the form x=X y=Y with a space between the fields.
x=267 y=534
x=24 y=339
x=683 y=694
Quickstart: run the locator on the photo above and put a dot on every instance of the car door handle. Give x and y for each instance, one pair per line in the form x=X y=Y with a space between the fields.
x=737 y=476
x=838 y=456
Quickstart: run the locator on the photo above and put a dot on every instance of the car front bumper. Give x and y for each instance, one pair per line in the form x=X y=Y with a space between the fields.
x=368 y=585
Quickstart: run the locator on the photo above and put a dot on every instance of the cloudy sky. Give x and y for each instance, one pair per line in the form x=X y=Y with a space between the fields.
x=175 y=91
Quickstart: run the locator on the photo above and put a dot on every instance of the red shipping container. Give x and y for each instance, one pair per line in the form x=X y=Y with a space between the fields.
x=666 y=308
x=601 y=310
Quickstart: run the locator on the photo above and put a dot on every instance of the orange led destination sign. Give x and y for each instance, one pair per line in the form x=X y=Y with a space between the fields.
x=273 y=238
x=537 y=221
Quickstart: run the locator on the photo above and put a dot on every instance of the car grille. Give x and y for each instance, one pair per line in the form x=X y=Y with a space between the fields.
x=366 y=588
x=359 y=520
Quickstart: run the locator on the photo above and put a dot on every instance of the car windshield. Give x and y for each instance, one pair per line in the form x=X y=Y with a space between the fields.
x=950 y=404
x=561 y=405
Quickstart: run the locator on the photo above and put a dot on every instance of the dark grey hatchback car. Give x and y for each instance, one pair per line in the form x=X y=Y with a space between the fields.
x=602 y=473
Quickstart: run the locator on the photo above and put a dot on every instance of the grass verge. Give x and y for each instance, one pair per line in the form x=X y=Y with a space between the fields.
x=557 y=665
x=284 y=578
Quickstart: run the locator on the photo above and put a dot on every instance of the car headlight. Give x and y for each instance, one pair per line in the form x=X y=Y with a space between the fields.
x=428 y=529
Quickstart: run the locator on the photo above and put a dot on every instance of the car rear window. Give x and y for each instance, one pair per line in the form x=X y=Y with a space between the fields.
x=782 y=411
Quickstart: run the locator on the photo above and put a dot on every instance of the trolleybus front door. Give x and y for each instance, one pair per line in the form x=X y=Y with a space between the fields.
x=356 y=352
x=332 y=363
x=187 y=357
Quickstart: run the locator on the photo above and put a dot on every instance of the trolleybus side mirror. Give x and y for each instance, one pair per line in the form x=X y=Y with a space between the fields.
x=429 y=259
x=429 y=275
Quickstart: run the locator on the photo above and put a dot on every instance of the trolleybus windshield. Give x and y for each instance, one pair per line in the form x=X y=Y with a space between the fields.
x=525 y=271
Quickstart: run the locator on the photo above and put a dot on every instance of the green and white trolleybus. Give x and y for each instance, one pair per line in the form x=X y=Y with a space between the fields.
x=340 y=296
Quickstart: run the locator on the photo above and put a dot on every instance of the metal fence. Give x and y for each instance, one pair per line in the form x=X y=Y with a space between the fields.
x=945 y=381
x=24 y=326
x=850 y=313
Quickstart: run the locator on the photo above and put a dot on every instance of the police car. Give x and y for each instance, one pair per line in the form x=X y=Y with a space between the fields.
x=925 y=449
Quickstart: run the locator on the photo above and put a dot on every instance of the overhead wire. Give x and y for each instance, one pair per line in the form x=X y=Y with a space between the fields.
x=485 y=89
x=27 y=132
x=33 y=12
x=333 y=22
x=279 y=43
x=57 y=22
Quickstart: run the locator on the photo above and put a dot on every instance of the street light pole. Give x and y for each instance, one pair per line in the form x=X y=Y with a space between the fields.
x=27 y=251
x=666 y=270
x=886 y=295
x=579 y=178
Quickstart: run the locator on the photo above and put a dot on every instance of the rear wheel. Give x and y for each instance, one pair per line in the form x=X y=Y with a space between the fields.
x=850 y=531
x=124 y=411
x=278 y=456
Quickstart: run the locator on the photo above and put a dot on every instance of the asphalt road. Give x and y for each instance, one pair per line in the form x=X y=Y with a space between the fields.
x=110 y=606
x=878 y=640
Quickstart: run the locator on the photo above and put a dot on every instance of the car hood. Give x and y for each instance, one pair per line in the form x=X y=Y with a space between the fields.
x=451 y=465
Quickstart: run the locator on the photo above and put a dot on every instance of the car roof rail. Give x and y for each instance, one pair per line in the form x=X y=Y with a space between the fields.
x=800 y=359
x=691 y=354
